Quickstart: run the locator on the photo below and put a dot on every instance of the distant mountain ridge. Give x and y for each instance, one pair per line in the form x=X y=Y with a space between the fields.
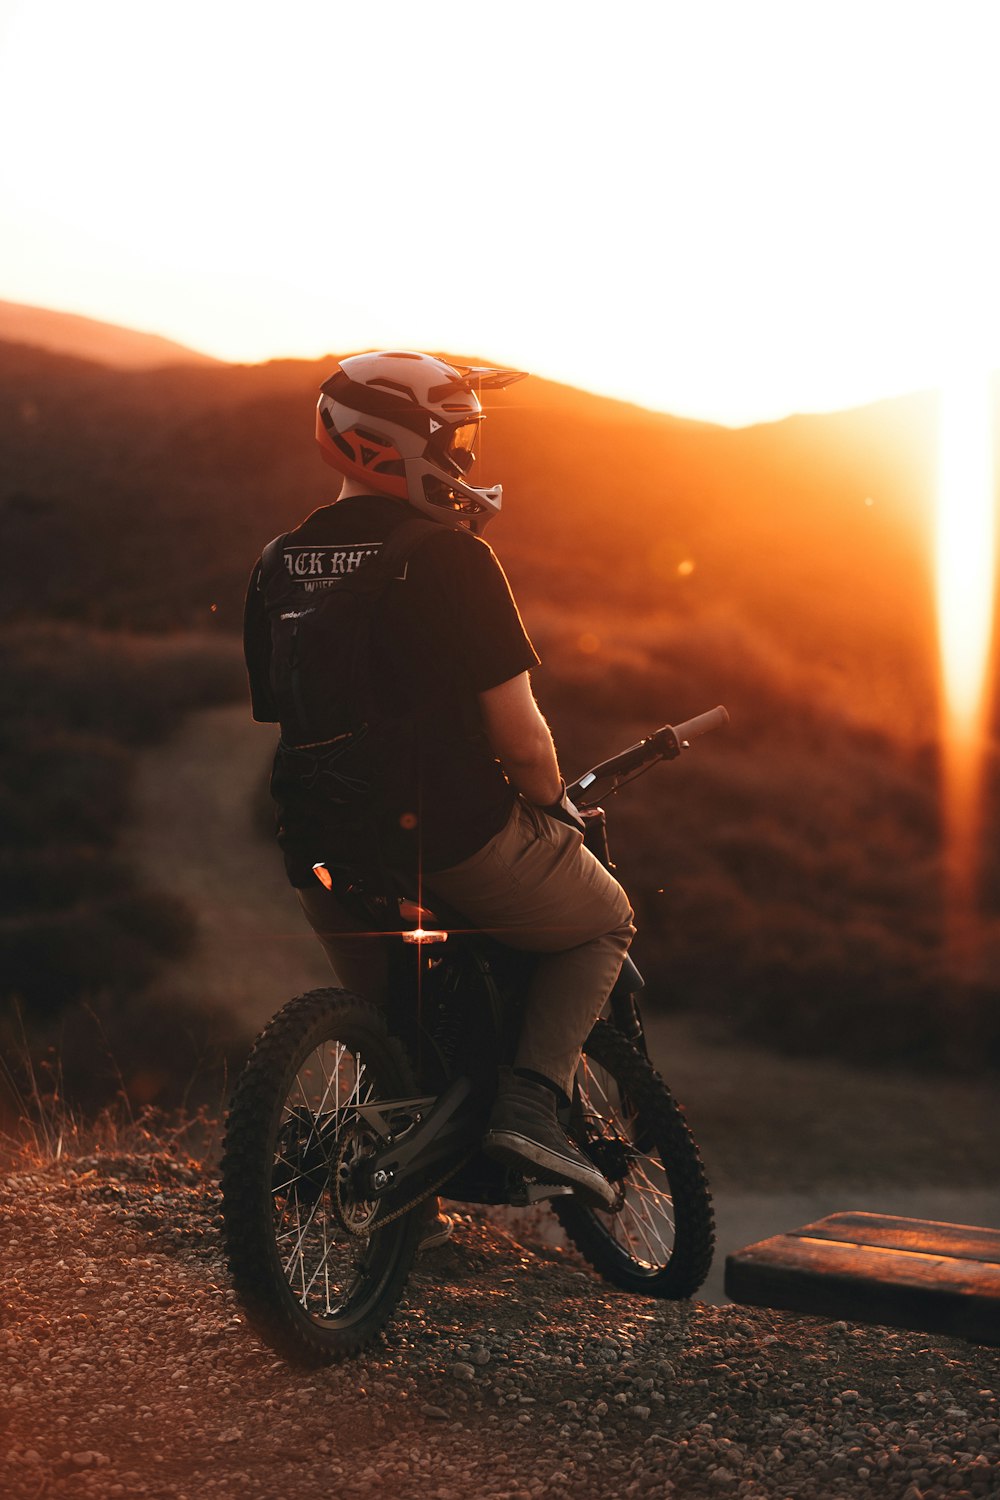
x=814 y=529
x=89 y=338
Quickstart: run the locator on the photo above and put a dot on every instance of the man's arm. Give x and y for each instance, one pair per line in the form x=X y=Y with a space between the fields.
x=521 y=740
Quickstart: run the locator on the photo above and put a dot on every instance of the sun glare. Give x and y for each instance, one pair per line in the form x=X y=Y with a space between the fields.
x=965 y=550
x=721 y=239
x=966 y=561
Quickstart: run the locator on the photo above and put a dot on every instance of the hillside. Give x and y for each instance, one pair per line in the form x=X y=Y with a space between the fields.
x=787 y=877
x=88 y=338
x=198 y=467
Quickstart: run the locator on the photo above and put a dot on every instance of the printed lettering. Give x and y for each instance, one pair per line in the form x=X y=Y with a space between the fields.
x=308 y=564
x=327 y=562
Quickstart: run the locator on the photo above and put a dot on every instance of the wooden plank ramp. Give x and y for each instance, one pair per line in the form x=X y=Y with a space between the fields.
x=874 y=1268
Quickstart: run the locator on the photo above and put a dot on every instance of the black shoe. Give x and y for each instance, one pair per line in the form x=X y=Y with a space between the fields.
x=525 y=1133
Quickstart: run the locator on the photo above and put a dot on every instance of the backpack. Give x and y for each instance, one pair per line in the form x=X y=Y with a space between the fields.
x=343 y=754
x=320 y=670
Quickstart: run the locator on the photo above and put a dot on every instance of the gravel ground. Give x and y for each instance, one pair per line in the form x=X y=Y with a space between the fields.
x=511 y=1371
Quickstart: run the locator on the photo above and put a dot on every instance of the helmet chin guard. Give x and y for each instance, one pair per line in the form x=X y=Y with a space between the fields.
x=404 y=423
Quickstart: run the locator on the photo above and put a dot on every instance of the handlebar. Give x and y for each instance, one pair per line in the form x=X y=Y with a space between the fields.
x=663 y=744
x=715 y=718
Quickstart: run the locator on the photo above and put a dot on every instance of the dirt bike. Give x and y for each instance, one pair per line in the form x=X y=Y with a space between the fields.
x=348 y=1117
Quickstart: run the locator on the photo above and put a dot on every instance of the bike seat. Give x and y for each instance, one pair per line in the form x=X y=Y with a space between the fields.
x=389 y=905
x=412 y=911
x=427 y=919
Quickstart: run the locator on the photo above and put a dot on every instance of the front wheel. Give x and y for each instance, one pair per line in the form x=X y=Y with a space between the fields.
x=659 y=1237
x=317 y=1272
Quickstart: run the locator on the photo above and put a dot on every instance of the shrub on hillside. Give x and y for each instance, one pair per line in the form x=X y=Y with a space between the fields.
x=51 y=959
x=46 y=879
x=118 y=1050
x=68 y=788
x=75 y=704
x=132 y=689
x=786 y=873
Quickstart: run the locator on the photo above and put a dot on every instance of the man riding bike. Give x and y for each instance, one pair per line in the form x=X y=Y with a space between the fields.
x=421 y=756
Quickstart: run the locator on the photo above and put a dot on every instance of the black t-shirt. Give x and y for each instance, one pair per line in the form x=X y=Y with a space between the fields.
x=445 y=631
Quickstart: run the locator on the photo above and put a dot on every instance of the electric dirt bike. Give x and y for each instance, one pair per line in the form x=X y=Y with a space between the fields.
x=348 y=1119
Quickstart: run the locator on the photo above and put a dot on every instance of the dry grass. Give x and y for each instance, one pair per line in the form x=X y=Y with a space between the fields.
x=41 y=1127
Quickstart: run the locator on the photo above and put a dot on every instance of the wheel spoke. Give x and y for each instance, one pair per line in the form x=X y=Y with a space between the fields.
x=641 y=1232
x=319 y=1259
x=644 y=1226
x=301 y=1231
x=296 y=1148
x=659 y=1221
x=643 y=1218
x=310 y=1155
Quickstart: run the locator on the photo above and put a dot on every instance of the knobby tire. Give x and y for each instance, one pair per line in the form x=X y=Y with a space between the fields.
x=660 y=1242
x=285 y=1125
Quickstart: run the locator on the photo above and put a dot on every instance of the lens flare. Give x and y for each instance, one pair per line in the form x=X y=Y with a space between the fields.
x=965 y=550
x=965 y=553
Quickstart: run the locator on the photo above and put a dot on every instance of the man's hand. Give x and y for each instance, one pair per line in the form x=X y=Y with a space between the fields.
x=521 y=740
x=566 y=811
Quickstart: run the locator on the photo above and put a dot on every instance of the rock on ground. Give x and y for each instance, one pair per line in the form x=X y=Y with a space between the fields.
x=510 y=1371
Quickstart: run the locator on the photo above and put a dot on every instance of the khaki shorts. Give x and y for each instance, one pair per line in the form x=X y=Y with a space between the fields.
x=535 y=887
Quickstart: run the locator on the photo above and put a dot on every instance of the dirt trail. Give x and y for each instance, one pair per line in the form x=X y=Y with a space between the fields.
x=128 y=1370
x=193 y=836
x=785 y=1140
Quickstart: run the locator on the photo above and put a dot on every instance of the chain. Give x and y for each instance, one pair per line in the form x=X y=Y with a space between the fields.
x=428 y=1192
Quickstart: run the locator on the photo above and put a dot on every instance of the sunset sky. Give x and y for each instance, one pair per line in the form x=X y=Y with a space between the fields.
x=727 y=211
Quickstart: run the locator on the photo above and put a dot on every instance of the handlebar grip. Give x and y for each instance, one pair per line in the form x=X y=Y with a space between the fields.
x=664 y=744
x=701 y=724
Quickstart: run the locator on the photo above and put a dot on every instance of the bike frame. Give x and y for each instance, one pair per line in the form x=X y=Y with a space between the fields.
x=423 y=1134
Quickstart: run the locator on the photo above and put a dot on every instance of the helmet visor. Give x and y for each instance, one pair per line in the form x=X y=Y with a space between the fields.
x=460 y=445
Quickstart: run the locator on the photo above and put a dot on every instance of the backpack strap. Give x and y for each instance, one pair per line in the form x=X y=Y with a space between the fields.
x=271 y=560
x=397 y=549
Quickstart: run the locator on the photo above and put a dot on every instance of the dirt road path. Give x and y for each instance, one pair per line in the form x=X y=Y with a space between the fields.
x=785 y=1140
x=193 y=835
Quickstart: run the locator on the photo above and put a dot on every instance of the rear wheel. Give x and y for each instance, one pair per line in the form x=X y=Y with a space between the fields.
x=316 y=1269
x=659 y=1237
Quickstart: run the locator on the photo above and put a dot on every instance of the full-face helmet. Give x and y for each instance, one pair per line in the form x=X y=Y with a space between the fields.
x=406 y=424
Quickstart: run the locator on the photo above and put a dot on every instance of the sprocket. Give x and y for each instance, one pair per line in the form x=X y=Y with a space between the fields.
x=356 y=1216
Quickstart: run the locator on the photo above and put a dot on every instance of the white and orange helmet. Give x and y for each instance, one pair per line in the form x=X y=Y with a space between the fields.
x=406 y=423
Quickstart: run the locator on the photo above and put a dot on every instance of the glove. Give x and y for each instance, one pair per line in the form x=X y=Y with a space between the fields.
x=564 y=811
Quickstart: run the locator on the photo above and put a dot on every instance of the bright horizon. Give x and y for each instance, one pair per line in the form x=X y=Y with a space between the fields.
x=728 y=214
